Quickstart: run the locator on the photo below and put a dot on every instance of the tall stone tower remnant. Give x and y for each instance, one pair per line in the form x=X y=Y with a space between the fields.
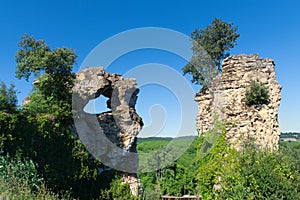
x=225 y=98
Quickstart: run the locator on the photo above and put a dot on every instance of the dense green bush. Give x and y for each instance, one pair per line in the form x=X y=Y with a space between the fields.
x=257 y=94
x=292 y=151
x=261 y=174
x=254 y=173
x=62 y=160
x=19 y=179
x=150 y=195
x=216 y=158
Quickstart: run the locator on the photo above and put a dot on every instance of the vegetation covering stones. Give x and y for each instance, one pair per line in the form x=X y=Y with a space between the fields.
x=257 y=94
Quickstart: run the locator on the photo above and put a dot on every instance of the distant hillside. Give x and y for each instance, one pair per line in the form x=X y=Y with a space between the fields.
x=295 y=135
x=290 y=135
x=140 y=140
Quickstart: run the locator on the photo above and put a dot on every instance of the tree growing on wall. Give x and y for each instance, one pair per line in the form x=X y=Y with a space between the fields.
x=210 y=46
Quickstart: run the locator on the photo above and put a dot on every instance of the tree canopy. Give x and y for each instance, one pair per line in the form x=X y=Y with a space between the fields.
x=52 y=67
x=210 y=46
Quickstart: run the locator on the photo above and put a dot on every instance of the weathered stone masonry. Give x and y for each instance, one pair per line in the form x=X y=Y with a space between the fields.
x=120 y=126
x=225 y=98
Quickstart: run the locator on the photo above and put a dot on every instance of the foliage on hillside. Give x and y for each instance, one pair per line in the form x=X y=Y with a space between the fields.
x=212 y=168
x=178 y=178
x=292 y=150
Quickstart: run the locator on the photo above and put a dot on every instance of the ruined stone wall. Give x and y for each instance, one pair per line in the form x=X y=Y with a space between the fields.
x=225 y=98
x=110 y=136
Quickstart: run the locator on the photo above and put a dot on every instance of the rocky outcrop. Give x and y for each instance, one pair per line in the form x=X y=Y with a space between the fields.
x=225 y=99
x=110 y=136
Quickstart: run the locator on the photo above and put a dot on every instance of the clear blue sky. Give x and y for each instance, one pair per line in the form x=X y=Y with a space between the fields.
x=270 y=28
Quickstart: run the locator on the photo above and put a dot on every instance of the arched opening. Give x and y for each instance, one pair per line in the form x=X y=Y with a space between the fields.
x=97 y=106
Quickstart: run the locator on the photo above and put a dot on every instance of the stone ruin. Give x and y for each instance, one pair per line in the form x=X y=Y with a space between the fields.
x=225 y=99
x=110 y=136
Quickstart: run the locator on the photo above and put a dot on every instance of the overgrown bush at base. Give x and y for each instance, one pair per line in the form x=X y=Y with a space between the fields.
x=225 y=173
x=261 y=174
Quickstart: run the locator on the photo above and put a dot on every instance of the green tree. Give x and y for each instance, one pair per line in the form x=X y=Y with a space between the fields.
x=210 y=46
x=35 y=56
x=260 y=174
x=8 y=98
x=54 y=77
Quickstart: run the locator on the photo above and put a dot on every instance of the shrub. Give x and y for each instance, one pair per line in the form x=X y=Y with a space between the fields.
x=216 y=160
x=225 y=173
x=20 y=180
x=261 y=174
x=257 y=94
